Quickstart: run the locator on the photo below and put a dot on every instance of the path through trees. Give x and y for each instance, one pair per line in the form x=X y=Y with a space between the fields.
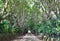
x=38 y=16
x=27 y=37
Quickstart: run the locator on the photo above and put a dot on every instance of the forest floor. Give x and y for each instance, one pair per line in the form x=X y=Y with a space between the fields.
x=27 y=37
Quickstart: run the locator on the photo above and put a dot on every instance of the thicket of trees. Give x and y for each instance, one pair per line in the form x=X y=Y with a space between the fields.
x=40 y=16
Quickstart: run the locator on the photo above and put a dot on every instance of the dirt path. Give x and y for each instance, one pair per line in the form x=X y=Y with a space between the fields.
x=27 y=37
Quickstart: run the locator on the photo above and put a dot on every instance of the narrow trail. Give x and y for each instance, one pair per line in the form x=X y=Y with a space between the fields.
x=27 y=37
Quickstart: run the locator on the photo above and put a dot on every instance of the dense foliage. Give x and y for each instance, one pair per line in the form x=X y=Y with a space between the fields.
x=40 y=16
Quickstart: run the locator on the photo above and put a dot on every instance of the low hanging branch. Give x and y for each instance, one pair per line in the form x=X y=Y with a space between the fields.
x=3 y=10
x=9 y=13
x=5 y=7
